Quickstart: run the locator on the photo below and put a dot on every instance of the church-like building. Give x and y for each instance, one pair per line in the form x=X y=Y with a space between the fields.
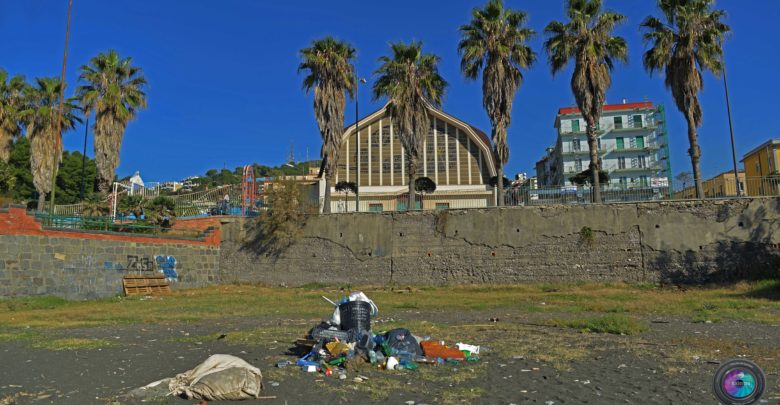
x=457 y=157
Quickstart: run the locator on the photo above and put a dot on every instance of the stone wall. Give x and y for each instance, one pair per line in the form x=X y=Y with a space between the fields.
x=76 y=265
x=691 y=241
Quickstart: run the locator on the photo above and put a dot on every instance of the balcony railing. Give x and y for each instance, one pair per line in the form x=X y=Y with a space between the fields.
x=631 y=148
x=628 y=126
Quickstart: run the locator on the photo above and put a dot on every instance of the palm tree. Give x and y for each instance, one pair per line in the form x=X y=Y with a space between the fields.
x=40 y=116
x=410 y=80
x=691 y=40
x=331 y=74
x=587 y=39
x=11 y=104
x=496 y=40
x=114 y=91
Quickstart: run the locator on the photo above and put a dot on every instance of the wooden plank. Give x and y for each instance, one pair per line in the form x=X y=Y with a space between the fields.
x=145 y=285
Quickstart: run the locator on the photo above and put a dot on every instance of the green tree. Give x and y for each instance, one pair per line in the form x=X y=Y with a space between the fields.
x=132 y=204
x=114 y=91
x=689 y=41
x=495 y=44
x=587 y=39
x=347 y=187
x=19 y=161
x=40 y=116
x=7 y=179
x=411 y=82
x=160 y=211
x=330 y=73
x=11 y=106
x=69 y=177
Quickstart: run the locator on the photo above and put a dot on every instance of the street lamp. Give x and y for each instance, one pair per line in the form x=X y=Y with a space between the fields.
x=731 y=130
x=357 y=143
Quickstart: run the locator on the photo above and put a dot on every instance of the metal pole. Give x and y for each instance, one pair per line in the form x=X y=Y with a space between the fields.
x=357 y=147
x=84 y=159
x=731 y=130
x=58 y=140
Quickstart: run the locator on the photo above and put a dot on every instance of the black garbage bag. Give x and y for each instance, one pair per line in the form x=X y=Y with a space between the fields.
x=401 y=340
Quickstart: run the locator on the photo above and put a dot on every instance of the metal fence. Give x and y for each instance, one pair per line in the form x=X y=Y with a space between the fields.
x=111 y=224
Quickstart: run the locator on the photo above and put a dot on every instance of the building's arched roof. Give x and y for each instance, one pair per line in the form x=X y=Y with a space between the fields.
x=479 y=137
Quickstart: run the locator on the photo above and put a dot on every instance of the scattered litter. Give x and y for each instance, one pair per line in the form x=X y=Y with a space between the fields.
x=347 y=342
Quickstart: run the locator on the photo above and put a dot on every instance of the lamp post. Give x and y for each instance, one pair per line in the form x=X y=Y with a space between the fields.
x=56 y=158
x=84 y=159
x=731 y=131
x=357 y=143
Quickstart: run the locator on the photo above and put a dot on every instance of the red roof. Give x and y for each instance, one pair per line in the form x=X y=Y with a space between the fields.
x=609 y=107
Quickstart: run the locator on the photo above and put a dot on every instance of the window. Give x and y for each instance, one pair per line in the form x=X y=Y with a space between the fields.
x=442 y=206
x=575 y=125
x=643 y=181
x=623 y=182
x=620 y=144
x=640 y=142
x=618 y=122
x=637 y=121
x=642 y=162
x=622 y=163
x=578 y=165
x=575 y=145
x=375 y=208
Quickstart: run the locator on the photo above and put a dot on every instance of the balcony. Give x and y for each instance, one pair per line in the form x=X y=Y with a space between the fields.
x=650 y=147
x=634 y=126
x=653 y=167
x=624 y=127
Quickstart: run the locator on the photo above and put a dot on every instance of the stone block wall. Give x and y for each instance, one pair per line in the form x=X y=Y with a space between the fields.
x=77 y=265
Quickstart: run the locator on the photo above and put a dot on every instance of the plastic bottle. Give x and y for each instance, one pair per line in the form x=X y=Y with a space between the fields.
x=372 y=356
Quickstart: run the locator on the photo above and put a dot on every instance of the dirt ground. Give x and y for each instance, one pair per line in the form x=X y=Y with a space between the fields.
x=523 y=361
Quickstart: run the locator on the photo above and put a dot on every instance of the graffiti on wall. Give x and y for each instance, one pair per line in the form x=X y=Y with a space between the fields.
x=164 y=264
x=167 y=265
x=135 y=263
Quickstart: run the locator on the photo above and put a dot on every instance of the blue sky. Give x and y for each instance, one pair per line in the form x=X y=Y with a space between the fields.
x=224 y=90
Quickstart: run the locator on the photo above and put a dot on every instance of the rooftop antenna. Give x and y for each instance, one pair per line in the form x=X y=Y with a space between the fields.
x=291 y=156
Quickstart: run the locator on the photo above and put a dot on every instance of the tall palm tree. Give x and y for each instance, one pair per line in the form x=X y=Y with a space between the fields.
x=691 y=40
x=40 y=117
x=331 y=75
x=495 y=43
x=411 y=82
x=587 y=39
x=114 y=91
x=11 y=104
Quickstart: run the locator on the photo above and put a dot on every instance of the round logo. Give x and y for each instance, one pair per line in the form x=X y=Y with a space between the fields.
x=739 y=382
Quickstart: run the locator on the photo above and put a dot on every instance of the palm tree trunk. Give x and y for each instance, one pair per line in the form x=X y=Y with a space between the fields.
x=695 y=153
x=326 y=201
x=595 y=167
x=500 y=185
x=6 y=142
x=41 y=201
x=103 y=185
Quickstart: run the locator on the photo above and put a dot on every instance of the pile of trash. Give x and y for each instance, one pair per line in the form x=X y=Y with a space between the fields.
x=347 y=340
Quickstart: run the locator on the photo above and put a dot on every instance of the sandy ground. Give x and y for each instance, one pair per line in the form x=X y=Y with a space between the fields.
x=605 y=369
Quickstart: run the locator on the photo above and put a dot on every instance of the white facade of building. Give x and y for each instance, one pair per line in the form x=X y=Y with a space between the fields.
x=633 y=146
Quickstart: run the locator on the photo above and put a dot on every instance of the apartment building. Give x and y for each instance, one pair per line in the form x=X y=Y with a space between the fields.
x=633 y=147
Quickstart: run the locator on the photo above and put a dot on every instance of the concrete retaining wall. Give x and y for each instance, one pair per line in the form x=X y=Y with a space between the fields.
x=697 y=241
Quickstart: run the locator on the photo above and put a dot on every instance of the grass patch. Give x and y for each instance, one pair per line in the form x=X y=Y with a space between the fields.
x=743 y=301
x=614 y=324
